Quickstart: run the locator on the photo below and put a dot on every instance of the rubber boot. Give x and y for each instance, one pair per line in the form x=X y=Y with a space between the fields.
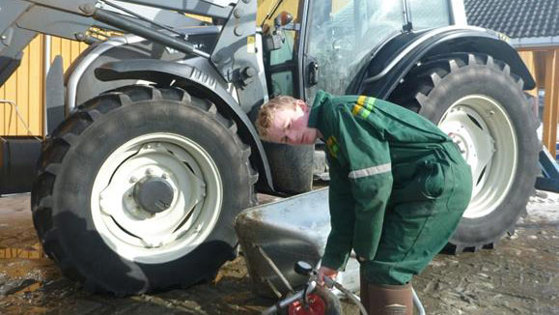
x=387 y=299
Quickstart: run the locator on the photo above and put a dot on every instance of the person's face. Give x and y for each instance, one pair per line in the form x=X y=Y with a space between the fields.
x=290 y=126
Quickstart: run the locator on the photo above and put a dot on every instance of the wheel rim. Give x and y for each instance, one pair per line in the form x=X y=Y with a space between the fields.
x=140 y=234
x=481 y=128
x=315 y=306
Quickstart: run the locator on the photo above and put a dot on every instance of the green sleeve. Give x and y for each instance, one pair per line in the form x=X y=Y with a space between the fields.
x=339 y=244
x=367 y=155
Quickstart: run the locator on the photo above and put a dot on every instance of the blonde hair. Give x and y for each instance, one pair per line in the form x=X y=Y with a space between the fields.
x=267 y=111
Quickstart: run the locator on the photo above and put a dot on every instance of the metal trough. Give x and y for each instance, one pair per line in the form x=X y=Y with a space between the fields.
x=276 y=235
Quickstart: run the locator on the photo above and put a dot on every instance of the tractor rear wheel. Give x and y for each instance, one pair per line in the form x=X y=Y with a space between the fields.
x=138 y=190
x=481 y=105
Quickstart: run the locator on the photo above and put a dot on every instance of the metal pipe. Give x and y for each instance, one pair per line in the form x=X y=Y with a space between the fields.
x=417 y=303
x=274 y=268
x=79 y=70
x=221 y=10
x=408 y=26
x=283 y=303
x=47 y=51
x=132 y=13
x=271 y=12
x=146 y=32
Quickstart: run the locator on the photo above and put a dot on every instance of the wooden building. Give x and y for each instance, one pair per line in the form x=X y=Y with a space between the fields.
x=533 y=26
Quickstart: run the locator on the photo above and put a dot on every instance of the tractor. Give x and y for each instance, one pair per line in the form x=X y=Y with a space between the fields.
x=151 y=150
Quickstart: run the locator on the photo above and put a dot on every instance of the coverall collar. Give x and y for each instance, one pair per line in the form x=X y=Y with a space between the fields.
x=314 y=116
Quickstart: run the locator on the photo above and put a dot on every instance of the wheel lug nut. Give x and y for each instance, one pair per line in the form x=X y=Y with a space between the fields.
x=133 y=179
x=149 y=171
x=164 y=176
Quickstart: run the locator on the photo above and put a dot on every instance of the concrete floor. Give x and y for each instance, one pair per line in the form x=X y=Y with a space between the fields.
x=520 y=276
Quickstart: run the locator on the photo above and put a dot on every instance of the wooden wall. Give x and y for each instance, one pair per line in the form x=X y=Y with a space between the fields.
x=544 y=66
x=25 y=88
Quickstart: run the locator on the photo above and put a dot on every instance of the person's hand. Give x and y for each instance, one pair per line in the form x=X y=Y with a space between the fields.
x=328 y=272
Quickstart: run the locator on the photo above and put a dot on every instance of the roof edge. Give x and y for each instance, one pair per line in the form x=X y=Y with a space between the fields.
x=535 y=42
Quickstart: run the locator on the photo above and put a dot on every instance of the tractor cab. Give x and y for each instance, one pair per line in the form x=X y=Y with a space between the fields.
x=327 y=43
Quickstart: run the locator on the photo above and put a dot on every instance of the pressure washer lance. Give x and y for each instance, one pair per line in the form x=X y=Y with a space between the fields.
x=304 y=268
x=331 y=283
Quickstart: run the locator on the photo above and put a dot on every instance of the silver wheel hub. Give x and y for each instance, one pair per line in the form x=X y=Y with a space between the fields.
x=153 y=194
x=156 y=198
x=485 y=136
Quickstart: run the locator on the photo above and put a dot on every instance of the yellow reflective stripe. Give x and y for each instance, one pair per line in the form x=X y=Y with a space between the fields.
x=332 y=145
x=359 y=105
x=370 y=103
x=361 y=100
x=365 y=113
x=363 y=106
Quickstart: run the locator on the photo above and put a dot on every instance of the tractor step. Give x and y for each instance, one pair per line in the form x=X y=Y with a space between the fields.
x=549 y=180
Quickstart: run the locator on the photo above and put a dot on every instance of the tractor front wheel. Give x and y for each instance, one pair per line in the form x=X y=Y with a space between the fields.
x=139 y=188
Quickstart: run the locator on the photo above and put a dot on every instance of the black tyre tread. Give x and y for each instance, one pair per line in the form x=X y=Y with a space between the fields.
x=415 y=90
x=67 y=135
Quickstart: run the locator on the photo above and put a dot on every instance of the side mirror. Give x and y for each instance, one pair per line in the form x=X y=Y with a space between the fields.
x=283 y=19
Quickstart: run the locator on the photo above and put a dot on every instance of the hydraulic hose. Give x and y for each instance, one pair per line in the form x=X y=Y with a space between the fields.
x=332 y=283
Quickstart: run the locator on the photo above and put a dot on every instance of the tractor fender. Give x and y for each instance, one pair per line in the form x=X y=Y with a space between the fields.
x=393 y=61
x=197 y=72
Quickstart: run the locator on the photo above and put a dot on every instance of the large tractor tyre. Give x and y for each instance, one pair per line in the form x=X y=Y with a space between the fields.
x=138 y=191
x=478 y=102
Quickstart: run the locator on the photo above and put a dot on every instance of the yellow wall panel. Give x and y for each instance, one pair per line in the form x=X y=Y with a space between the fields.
x=65 y=50
x=54 y=48
x=24 y=89
x=529 y=59
x=26 y=86
x=264 y=6
x=69 y=50
x=36 y=90
x=9 y=94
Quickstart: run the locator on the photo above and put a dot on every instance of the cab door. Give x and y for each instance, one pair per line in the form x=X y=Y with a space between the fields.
x=282 y=59
x=342 y=35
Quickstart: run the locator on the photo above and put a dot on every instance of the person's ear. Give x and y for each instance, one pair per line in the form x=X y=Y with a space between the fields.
x=301 y=104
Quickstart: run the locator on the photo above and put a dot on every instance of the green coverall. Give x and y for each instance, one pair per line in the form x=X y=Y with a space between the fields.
x=398 y=186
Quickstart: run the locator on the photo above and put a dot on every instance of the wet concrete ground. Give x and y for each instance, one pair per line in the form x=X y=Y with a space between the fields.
x=520 y=276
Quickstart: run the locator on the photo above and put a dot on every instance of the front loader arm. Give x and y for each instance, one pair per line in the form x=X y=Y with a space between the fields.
x=21 y=20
